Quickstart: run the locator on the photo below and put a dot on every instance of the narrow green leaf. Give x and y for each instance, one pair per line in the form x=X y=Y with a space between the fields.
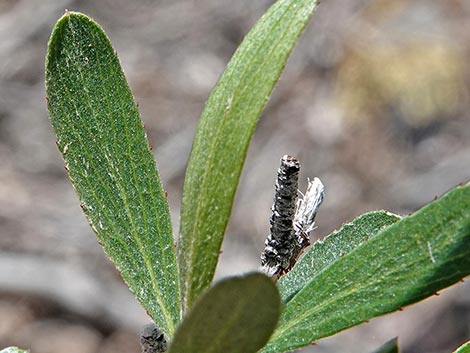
x=222 y=139
x=465 y=348
x=13 y=350
x=406 y=262
x=237 y=315
x=388 y=347
x=104 y=145
x=324 y=252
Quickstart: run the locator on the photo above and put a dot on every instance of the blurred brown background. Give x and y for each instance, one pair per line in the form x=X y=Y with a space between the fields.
x=374 y=101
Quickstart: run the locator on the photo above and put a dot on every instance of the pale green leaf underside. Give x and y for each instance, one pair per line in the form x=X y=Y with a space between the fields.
x=13 y=350
x=465 y=348
x=324 y=252
x=237 y=315
x=104 y=145
x=388 y=347
x=406 y=262
x=222 y=139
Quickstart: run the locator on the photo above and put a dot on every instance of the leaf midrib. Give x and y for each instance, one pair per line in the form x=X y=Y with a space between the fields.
x=309 y=312
x=227 y=112
x=158 y=294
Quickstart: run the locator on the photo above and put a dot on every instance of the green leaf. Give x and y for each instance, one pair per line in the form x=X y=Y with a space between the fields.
x=388 y=347
x=237 y=315
x=13 y=350
x=465 y=348
x=222 y=139
x=324 y=252
x=106 y=152
x=406 y=262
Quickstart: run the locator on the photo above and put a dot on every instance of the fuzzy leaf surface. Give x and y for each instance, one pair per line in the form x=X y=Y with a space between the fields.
x=237 y=315
x=324 y=252
x=13 y=350
x=222 y=139
x=404 y=263
x=107 y=155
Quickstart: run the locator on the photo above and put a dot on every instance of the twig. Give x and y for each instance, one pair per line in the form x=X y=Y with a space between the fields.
x=280 y=244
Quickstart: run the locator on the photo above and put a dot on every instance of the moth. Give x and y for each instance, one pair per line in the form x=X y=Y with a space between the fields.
x=292 y=219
